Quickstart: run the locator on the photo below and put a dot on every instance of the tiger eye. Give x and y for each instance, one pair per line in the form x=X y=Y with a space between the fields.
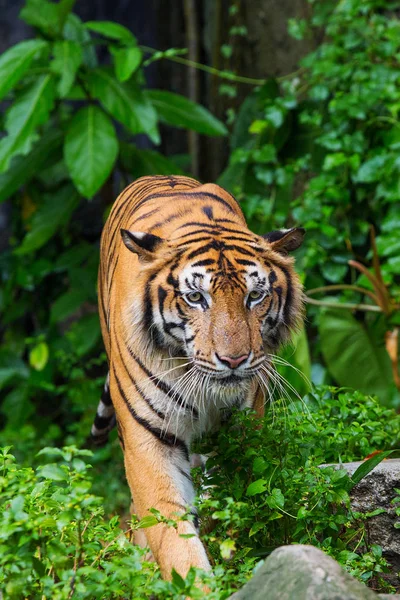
x=255 y=295
x=194 y=297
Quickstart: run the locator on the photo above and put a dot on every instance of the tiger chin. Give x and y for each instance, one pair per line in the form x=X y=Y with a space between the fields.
x=192 y=304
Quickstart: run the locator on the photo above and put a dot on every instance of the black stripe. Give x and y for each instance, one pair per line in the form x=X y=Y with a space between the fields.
x=185 y=196
x=185 y=474
x=211 y=226
x=102 y=422
x=164 y=387
x=204 y=263
x=243 y=261
x=200 y=239
x=289 y=295
x=165 y=438
x=149 y=403
x=148 y=214
x=106 y=396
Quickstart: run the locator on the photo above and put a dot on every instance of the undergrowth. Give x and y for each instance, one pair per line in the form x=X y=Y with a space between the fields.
x=269 y=489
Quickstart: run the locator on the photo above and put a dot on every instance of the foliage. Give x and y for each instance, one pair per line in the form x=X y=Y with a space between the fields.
x=319 y=148
x=265 y=486
x=268 y=490
x=76 y=101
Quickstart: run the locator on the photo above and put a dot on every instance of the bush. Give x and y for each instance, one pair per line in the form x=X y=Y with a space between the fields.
x=268 y=490
x=320 y=149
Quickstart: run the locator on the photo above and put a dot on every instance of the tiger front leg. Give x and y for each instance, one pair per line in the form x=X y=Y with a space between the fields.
x=159 y=477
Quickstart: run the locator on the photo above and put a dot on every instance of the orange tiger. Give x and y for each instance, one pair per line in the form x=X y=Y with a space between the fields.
x=191 y=305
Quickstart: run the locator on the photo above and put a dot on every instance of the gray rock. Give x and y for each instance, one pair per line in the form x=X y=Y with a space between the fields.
x=302 y=573
x=373 y=492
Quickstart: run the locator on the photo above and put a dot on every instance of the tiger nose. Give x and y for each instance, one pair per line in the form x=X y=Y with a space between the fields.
x=232 y=361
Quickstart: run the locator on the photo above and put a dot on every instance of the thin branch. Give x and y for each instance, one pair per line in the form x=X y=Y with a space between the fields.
x=343 y=286
x=207 y=69
x=379 y=288
x=345 y=305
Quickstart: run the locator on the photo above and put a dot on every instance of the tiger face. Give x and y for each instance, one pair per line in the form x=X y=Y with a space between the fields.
x=224 y=302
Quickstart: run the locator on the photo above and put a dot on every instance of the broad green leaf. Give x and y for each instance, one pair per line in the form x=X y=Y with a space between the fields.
x=53 y=472
x=148 y=521
x=126 y=61
x=112 y=30
x=84 y=334
x=16 y=61
x=146 y=162
x=75 y=31
x=38 y=356
x=372 y=169
x=367 y=466
x=66 y=304
x=23 y=168
x=256 y=527
x=49 y=217
x=17 y=406
x=126 y=103
x=28 y=112
x=257 y=487
x=354 y=357
x=298 y=372
x=47 y=16
x=90 y=149
x=227 y=549
x=276 y=499
x=177 y=110
x=67 y=60
x=178 y=580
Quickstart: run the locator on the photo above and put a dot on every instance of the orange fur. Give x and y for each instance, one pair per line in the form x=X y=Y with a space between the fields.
x=187 y=282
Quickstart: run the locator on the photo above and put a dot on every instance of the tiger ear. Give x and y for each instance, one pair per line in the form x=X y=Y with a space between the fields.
x=285 y=240
x=142 y=244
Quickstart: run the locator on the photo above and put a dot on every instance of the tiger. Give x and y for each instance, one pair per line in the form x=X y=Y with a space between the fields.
x=192 y=304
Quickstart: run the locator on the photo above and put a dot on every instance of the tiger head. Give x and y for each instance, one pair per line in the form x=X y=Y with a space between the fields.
x=225 y=302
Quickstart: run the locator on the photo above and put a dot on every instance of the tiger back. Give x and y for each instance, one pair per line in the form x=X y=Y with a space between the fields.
x=192 y=305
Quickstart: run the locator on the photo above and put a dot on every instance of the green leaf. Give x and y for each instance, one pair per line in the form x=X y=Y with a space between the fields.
x=256 y=527
x=90 y=149
x=257 y=487
x=126 y=61
x=298 y=372
x=112 y=30
x=23 y=168
x=28 y=112
x=49 y=217
x=276 y=499
x=84 y=334
x=47 y=16
x=146 y=162
x=67 y=60
x=372 y=169
x=148 y=521
x=126 y=103
x=352 y=354
x=38 y=356
x=53 y=472
x=75 y=31
x=367 y=466
x=178 y=580
x=227 y=549
x=15 y=62
x=177 y=110
x=66 y=304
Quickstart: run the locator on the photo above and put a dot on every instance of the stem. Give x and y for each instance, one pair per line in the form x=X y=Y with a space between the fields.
x=192 y=40
x=343 y=286
x=207 y=69
x=345 y=305
x=379 y=288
